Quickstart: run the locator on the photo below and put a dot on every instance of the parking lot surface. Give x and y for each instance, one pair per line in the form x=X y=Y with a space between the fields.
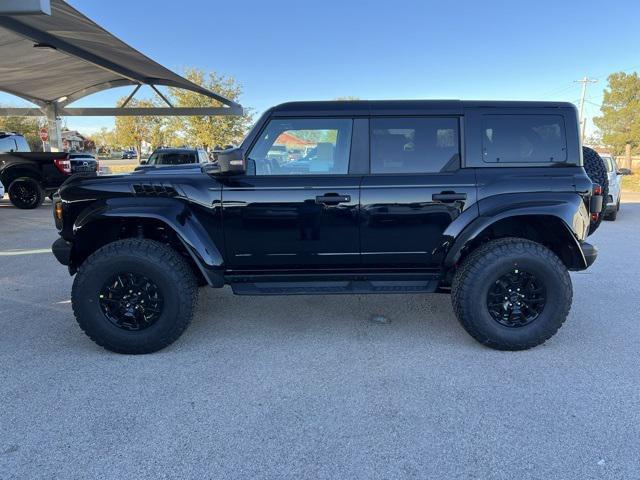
x=311 y=387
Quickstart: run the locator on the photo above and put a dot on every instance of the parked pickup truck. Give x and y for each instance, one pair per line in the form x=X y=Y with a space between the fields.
x=29 y=177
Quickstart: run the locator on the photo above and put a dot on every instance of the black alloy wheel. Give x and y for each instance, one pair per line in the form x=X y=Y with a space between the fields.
x=516 y=299
x=131 y=301
x=25 y=193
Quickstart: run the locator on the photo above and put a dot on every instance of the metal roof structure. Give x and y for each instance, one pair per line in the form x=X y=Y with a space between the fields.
x=54 y=60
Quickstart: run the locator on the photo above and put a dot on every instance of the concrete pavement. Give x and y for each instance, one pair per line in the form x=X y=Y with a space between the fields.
x=310 y=387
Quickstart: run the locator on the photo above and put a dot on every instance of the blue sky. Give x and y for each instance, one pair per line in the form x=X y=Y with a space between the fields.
x=298 y=50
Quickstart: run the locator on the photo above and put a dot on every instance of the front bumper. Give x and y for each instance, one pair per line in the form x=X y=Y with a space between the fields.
x=590 y=253
x=62 y=251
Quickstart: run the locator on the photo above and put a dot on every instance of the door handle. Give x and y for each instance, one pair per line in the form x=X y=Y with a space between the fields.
x=333 y=199
x=448 y=197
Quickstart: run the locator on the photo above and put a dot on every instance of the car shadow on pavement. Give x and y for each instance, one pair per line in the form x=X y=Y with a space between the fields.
x=298 y=318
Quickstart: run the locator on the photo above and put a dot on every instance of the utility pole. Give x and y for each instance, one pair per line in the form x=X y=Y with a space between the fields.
x=583 y=121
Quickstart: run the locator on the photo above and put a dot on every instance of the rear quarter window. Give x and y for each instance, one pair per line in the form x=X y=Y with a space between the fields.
x=523 y=139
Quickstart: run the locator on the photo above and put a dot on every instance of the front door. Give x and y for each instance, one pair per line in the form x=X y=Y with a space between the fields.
x=297 y=207
x=415 y=190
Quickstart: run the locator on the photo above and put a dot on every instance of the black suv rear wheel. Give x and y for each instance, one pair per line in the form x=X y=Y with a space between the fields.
x=134 y=296
x=512 y=294
x=26 y=193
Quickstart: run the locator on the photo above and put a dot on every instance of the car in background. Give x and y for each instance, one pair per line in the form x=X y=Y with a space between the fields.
x=129 y=154
x=175 y=156
x=612 y=202
x=29 y=177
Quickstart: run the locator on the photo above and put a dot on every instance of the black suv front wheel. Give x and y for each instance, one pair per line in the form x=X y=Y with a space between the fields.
x=134 y=296
x=512 y=294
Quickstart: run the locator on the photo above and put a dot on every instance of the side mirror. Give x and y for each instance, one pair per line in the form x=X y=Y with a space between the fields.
x=624 y=171
x=232 y=162
x=211 y=168
x=143 y=162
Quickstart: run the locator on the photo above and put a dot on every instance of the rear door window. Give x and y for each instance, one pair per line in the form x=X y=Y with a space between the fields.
x=414 y=145
x=523 y=139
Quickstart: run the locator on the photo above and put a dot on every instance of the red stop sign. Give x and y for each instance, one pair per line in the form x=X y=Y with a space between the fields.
x=44 y=134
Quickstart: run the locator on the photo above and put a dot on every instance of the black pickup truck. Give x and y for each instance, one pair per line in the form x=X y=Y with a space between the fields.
x=29 y=177
x=487 y=201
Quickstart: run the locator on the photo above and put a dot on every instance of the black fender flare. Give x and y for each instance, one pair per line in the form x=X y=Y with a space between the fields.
x=569 y=208
x=173 y=213
x=15 y=170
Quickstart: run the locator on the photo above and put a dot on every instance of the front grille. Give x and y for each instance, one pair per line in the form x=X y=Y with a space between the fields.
x=154 y=190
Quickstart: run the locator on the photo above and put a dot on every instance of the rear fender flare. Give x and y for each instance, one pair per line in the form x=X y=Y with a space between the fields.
x=11 y=172
x=568 y=208
x=177 y=216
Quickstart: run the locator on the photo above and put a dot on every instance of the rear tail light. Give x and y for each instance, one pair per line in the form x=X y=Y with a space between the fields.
x=595 y=216
x=63 y=165
x=597 y=189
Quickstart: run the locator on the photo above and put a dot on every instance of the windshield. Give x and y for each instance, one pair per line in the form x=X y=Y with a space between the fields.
x=172 y=158
x=608 y=161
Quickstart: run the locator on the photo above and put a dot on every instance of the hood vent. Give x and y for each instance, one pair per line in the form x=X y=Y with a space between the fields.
x=154 y=190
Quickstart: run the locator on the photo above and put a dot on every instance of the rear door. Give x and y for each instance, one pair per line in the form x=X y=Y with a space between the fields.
x=416 y=188
x=292 y=212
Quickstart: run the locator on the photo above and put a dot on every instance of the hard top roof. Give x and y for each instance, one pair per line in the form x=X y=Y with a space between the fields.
x=368 y=107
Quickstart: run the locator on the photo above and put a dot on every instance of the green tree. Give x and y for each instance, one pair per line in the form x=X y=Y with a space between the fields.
x=104 y=140
x=27 y=126
x=135 y=130
x=209 y=131
x=620 y=120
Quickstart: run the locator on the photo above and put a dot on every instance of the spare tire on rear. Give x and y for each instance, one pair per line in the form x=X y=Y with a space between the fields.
x=597 y=171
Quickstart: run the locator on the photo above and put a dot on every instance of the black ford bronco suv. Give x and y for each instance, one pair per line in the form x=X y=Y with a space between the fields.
x=488 y=201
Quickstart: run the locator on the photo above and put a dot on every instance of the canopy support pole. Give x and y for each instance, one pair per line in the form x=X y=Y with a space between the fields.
x=53 y=121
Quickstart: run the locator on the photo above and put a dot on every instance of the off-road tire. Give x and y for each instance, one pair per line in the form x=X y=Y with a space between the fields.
x=484 y=266
x=18 y=200
x=157 y=261
x=597 y=172
x=611 y=217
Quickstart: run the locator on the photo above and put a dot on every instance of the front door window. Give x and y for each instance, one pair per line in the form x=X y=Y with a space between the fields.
x=303 y=147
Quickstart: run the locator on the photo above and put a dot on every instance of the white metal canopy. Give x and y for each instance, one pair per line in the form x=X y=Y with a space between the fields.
x=53 y=60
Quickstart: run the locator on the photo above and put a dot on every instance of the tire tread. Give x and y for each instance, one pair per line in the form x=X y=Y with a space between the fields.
x=155 y=252
x=490 y=252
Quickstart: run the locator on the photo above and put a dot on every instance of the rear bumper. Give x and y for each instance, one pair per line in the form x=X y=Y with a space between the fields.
x=62 y=251
x=590 y=253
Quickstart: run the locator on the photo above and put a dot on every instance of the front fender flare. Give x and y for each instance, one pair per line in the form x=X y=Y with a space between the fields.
x=176 y=215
